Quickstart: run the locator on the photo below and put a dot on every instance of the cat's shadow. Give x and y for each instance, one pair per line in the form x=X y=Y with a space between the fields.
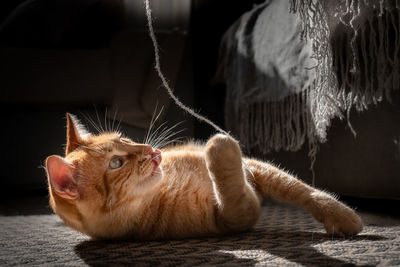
x=246 y=249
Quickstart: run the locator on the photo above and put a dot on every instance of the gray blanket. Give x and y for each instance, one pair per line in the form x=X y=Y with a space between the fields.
x=288 y=74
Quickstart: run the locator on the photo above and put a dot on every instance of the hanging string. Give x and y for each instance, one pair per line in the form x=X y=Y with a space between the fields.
x=164 y=80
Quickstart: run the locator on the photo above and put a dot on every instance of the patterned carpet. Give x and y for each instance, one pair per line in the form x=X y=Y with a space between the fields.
x=284 y=236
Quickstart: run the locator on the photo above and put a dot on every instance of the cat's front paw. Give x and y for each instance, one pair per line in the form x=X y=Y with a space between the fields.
x=342 y=221
x=223 y=152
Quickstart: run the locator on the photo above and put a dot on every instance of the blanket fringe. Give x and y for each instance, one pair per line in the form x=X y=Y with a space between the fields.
x=362 y=63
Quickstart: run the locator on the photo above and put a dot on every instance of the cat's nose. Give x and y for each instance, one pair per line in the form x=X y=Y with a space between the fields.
x=147 y=150
x=154 y=153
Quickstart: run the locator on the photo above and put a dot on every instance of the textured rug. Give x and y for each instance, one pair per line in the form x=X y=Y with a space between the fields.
x=284 y=236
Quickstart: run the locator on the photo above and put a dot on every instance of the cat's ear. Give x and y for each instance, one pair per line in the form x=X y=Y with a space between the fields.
x=61 y=179
x=76 y=133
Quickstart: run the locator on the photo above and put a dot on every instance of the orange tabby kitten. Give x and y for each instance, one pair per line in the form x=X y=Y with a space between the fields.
x=107 y=186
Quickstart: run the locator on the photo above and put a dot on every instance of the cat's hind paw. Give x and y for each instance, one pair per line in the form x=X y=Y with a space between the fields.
x=343 y=223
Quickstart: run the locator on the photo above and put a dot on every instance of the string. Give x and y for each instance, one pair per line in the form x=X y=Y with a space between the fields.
x=168 y=88
x=164 y=80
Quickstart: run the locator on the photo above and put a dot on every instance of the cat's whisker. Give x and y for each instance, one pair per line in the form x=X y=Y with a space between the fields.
x=148 y=129
x=98 y=119
x=170 y=142
x=154 y=120
x=160 y=130
x=170 y=133
x=109 y=122
x=105 y=121
x=164 y=132
x=153 y=136
x=164 y=144
x=156 y=138
x=152 y=123
x=91 y=121
x=113 y=121
x=166 y=135
x=154 y=133
x=118 y=128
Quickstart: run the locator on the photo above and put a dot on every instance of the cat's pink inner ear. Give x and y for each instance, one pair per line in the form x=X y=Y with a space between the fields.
x=61 y=179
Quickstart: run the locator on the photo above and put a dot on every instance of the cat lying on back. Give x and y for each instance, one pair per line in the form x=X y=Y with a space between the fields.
x=107 y=187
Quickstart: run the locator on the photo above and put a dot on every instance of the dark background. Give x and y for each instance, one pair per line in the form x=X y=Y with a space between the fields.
x=33 y=129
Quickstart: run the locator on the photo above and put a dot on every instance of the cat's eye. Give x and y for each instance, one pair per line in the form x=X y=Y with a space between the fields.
x=115 y=163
